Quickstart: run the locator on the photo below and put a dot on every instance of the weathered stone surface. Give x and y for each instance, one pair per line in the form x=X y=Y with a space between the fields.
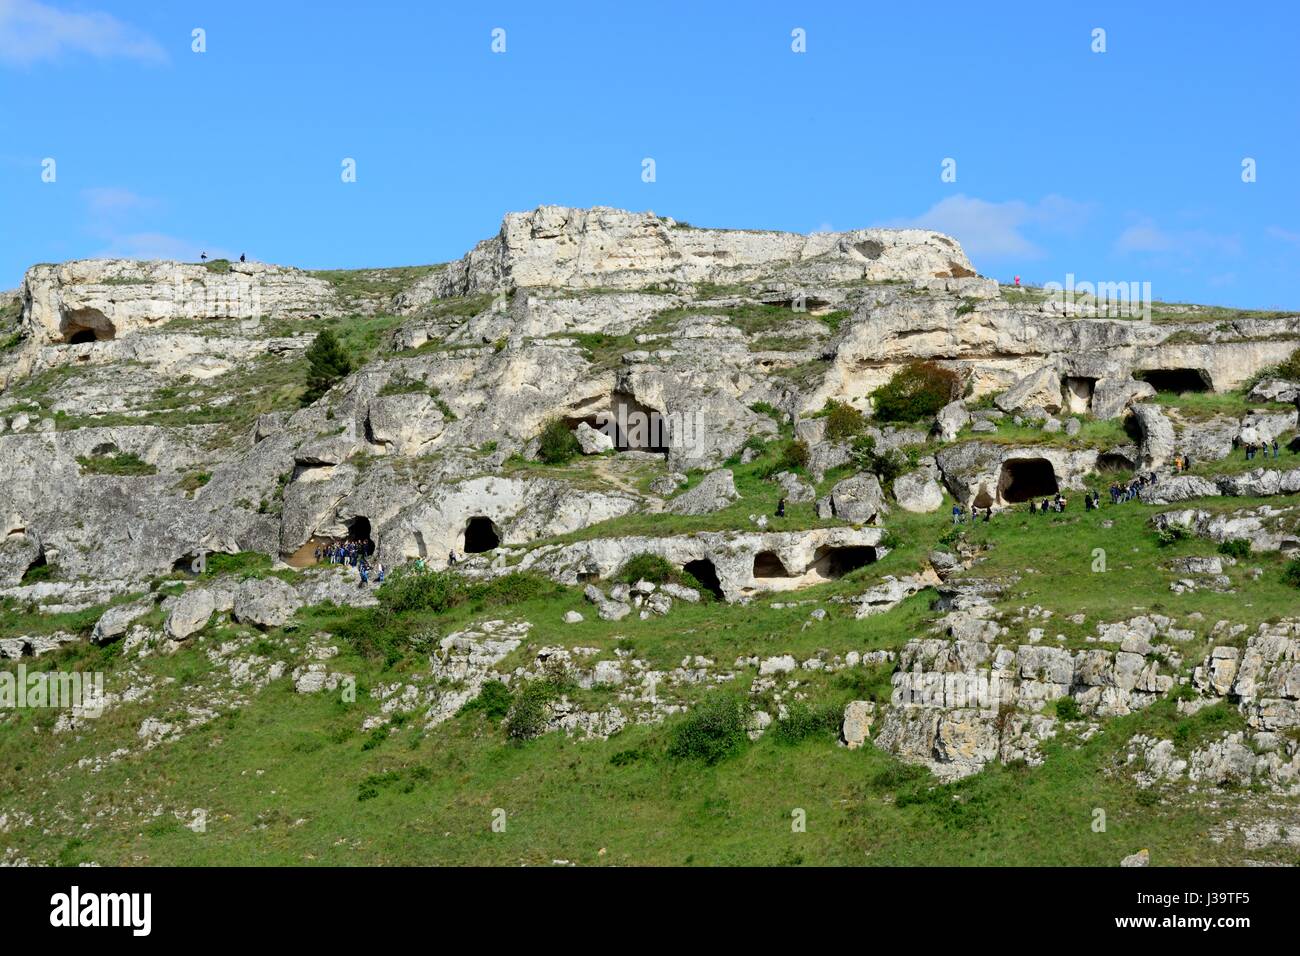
x=857 y=500
x=266 y=602
x=190 y=613
x=1039 y=391
x=715 y=491
x=856 y=727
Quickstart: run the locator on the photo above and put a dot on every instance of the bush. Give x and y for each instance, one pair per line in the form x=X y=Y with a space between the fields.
x=513 y=588
x=843 y=421
x=1291 y=573
x=127 y=463
x=887 y=465
x=529 y=711
x=1238 y=548
x=1067 y=708
x=1170 y=535
x=493 y=701
x=647 y=567
x=558 y=443
x=712 y=731
x=326 y=364
x=803 y=721
x=406 y=589
x=917 y=390
x=794 y=457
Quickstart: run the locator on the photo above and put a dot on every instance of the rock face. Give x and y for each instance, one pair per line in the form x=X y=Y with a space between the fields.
x=569 y=315
x=266 y=602
x=714 y=492
x=1038 y=391
x=100 y=299
x=190 y=613
x=857 y=500
x=555 y=246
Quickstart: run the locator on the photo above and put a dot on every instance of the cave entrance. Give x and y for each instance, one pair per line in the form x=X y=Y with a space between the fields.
x=359 y=530
x=704 y=572
x=1113 y=461
x=481 y=535
x=1175 y=379
x=831 y=561
x=1026 y=478
x=86 y=325
x=1078 y=393
x=768 y=565
x=635 y=427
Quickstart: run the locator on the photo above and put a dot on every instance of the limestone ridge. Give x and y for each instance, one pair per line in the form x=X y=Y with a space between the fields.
x=147 y=412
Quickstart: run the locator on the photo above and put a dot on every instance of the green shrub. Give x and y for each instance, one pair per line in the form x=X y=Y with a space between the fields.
x=803 y=721
x=558 y=444
x=711 y=731
x=493 y=701
x=126 y=463
x=1170 y=535
x=843 y=421
x=1291 y=573
x=513 y=588
x=1238 y=548
x=1067 y=708
x=327 y=362
x=794 y=457
x=647 y=567
x=529 y=710
x=408 y=589
x=917 y=390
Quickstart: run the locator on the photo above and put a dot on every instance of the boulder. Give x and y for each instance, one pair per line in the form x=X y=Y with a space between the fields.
x=919 y=491
x=794 y=488
x=113 y=623
x=1156 y=443
x=190 y=613
x=593 y=441
x=715 y=491
x=266 y=602
x=1039 y=391
x=952 y=418
x=857 y=500
x=1111 y=396
x=856 y=728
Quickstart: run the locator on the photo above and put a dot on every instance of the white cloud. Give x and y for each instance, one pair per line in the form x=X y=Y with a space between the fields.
x=1147 y=238
x=31 y=31
x=108 y=201
x=157 y=245
x=1286 y=235
x=997 y=230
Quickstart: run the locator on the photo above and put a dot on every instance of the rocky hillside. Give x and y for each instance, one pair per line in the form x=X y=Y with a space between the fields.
x=698 y=485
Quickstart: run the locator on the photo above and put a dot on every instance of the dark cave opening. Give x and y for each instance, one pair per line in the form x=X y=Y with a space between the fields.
x=704 y=572
x=1026 y=478
x=481 y=535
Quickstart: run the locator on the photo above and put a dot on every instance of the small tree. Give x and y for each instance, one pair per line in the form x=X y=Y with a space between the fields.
x=843 y=421
x=917 y=390
x=327 y=362
x=558 y=443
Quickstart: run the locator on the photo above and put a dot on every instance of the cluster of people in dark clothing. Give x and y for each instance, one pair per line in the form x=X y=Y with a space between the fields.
x=1253 y=449
x=1056 y=503
x=1127 y=491
x=959 y=514
x=353 y=554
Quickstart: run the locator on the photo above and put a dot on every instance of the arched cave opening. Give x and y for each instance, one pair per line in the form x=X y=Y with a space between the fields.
x=86 y=325
x=1176 y=380
x=636 y=427
x=704 y=572
x=359 y=530
x=768 y=565
x=831 y=561
x=1078 y=393
x=1113 y=462
x=1024 y=478
x=481 y=535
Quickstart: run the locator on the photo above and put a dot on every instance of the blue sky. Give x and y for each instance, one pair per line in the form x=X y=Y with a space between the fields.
x=1117 y=166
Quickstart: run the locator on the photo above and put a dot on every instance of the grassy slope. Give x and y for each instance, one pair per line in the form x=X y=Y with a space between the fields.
x=280 y=778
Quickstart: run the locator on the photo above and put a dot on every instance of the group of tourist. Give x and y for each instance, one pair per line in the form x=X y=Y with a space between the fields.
x=1253 y=449
x=353 y=554
x=959 y=514
x=1056 y=503
x=1121 y=492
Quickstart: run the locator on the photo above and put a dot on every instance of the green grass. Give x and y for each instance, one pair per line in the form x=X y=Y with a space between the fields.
x=127 y=463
